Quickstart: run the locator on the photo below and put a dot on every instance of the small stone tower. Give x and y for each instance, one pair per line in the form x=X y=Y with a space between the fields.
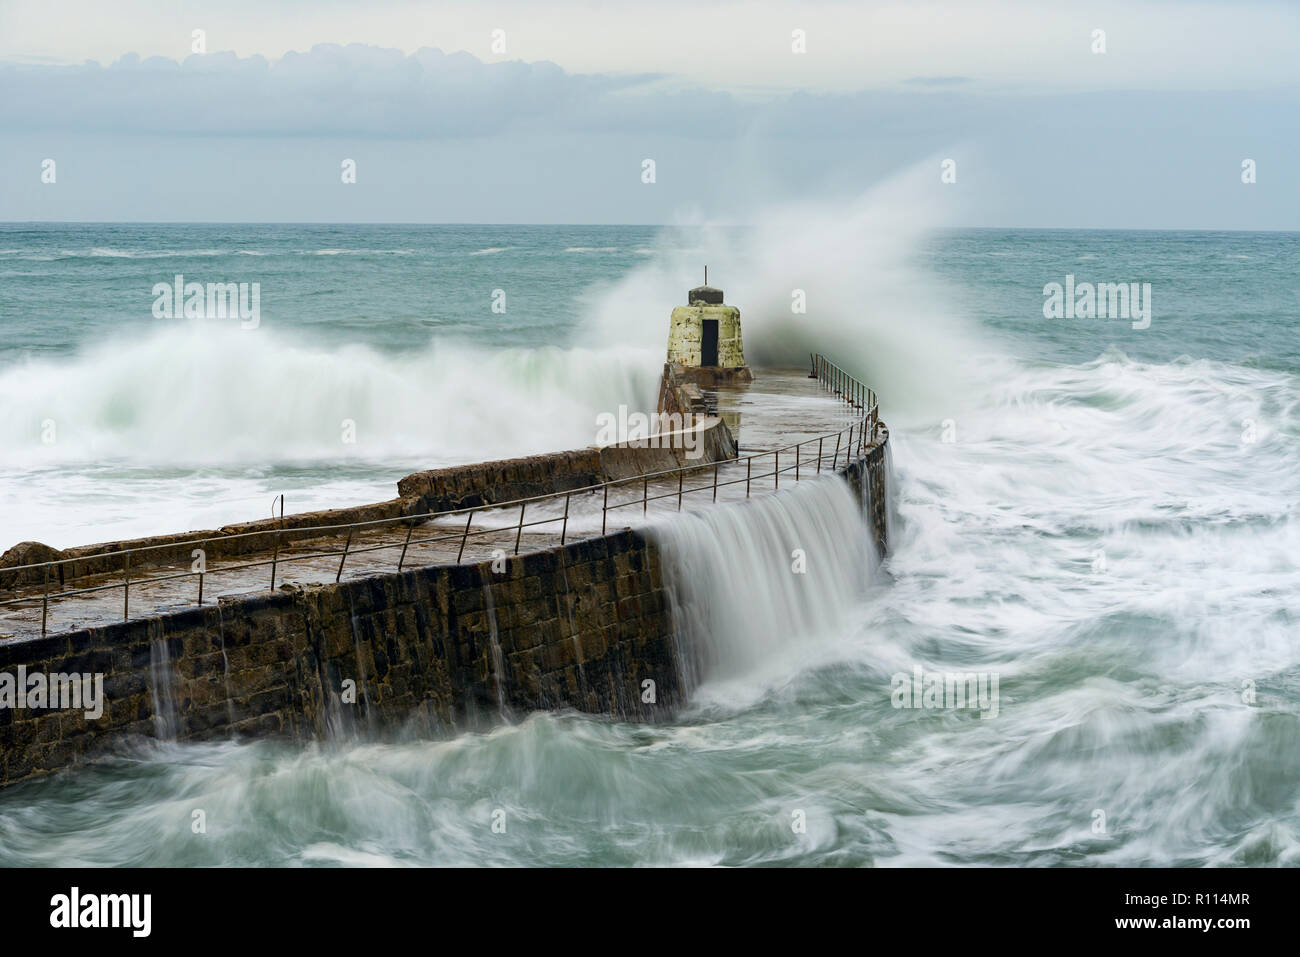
x=704 y=338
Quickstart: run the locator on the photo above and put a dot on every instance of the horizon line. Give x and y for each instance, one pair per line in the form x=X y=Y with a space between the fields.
x=288 y=222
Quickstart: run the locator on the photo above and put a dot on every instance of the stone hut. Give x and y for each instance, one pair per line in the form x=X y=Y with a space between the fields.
x=704 y=338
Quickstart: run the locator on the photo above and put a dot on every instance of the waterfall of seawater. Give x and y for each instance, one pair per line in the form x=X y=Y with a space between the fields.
x=893 y=522
x=573 y=628
x=161 y=692
x=752 y=586
x=225 y=668
x=498 y=662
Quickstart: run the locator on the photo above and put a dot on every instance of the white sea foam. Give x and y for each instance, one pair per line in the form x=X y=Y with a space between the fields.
x=870 y=305
x=202 y=396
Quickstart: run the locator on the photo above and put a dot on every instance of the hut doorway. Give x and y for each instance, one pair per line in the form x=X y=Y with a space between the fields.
x=709 y=343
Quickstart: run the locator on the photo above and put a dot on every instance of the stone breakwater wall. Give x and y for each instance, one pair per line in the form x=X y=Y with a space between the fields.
x=505 y=480
x=430 y=650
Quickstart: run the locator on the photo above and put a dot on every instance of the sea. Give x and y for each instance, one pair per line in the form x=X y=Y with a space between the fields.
x=1097 y=515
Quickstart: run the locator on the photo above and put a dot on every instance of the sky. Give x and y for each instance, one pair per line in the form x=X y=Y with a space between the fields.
x=1082 y=115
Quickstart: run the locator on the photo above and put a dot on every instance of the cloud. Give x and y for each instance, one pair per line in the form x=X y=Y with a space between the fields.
x=376 y=93
x=330 y=90
x=936 y=80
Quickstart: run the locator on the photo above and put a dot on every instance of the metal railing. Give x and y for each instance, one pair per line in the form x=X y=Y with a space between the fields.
x=859 y=435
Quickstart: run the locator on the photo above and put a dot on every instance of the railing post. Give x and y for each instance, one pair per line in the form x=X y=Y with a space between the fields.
x=275 y=557
x=749 y=470
x=346 y=546
x=680 y=478
x=126 y=586
x=797 y=456
x=203 y=549
x=468 y=518
x=776 y=468
x=604 y=509
x=520 y=534
x=715 y=481
x=565 y=527
x=835 y=461
x=402 y=559
x=820 y=440
x=45 y=600
x=848 y=448
x=645 y=495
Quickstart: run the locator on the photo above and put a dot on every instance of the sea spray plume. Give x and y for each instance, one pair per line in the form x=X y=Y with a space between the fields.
x=870 y=306
x=199 y=393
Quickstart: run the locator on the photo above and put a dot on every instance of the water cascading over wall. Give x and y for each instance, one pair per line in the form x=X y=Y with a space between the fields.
x=748 y=585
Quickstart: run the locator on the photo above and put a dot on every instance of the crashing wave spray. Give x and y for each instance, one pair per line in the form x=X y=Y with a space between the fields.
x=856 y=269
x=199 y=394
x=753 y=584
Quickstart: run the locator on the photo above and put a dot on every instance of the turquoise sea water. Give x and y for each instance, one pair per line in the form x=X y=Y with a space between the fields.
x=1103 y=516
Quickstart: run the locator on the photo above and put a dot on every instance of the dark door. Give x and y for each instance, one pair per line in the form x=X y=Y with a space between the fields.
x=709 y=345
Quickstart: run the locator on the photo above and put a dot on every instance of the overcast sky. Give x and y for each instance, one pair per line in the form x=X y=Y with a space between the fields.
x=554 y=123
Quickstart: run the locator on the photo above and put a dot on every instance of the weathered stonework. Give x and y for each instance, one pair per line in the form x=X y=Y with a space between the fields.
x=686 y=332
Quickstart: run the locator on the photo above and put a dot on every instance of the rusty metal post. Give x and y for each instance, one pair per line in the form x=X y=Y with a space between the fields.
x=820 y=440
x=468 y=518
x=45 y=600
x=346 y=546
x=645 y=495
x=749 y=470
x=776 y=468
x=797 y=449
x=406 y=544
x=680 y=478
x=604 y=509
x=275 y=556
x=715 y=481
x=520 y=533
x=126 y=586
x=836 y=459
x=565 y=527
x=203 y=548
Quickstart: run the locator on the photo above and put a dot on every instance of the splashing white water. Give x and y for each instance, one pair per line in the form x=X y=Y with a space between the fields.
x=200 y=394
x=870 y=305
x=188 y=427
x=757 y=588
